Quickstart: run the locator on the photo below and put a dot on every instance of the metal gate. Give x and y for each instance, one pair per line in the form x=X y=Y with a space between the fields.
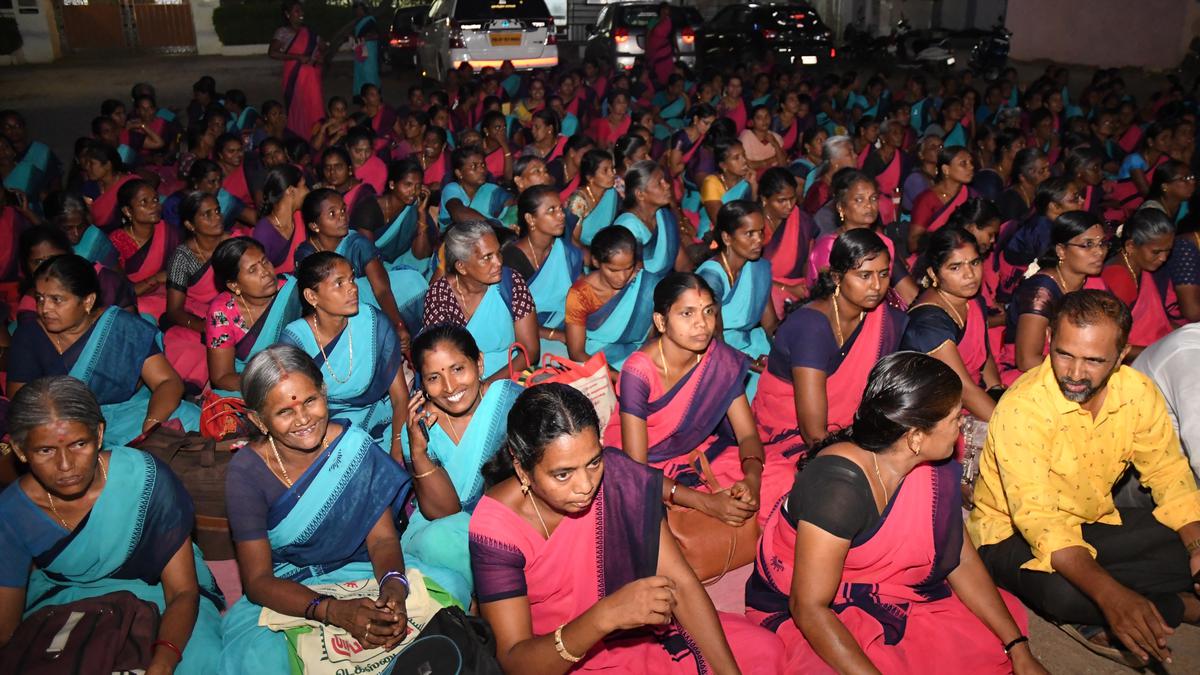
x=145 y=25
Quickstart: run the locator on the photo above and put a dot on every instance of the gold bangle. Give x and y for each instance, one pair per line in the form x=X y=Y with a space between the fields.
x=551 y=336
x=427 y=473
x=155 y=420
x=562 y=649
x=671 y=497
x=1192 y=546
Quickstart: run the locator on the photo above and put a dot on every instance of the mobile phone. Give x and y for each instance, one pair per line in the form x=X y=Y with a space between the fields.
x=416 y=387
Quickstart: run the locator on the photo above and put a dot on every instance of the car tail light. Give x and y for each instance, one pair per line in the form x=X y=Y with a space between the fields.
x=688 y=34
x=621 y=35
x=833 y=53
x=769 y=34
x=551 y=35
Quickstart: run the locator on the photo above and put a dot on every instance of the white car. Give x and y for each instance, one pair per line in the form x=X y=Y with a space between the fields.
x=487 y=33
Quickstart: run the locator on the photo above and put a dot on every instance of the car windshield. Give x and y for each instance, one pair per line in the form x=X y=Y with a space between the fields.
x=501 y=9
x=640 y=17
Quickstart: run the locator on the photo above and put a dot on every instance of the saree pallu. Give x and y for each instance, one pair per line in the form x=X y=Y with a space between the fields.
x=111 y=366
x=1126 y=194
x=1151 y=322
x=302 y=85
x=32 y=171
x=284 y=309
x=550 y=282
x=671 y=113
x=317 y=531
x=736 y=115
x=612 y=544
x=235 y=184
x=94 y=247
x=141 y=518
x=775 y=405
x=357 y=380
x=373 y=172
x=605 y=134
x=105 y=214
x=11 y=226
x=151 y=259
x=280 y=251
x=232 y=207
x=492 y=324
x=441 y=544
x=183 y=346
x=660 y=247
x=787 y=249
x=1130 y=139
x=601 y=216
x=438 y=171
x=395 y=244
x=692 y=415
x=956 y=137
x=621 y=325
x=366 y=55
x=894 y=597
x=742 y=307
x=740 y=190
x=489 y=200
x=494 y=161
x=941 y=216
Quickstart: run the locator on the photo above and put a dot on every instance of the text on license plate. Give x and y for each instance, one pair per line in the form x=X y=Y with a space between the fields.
x=506 y=39
x=808 y=60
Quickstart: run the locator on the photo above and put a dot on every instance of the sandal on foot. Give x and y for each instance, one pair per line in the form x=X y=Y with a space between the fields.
x=1085 y=635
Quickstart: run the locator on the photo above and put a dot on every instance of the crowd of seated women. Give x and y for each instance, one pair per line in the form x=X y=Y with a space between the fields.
x=797 y=287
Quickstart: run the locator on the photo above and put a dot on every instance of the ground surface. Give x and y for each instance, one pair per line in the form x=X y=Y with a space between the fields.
x=59 y=101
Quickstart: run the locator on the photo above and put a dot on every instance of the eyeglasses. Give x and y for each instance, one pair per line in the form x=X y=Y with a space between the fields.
x=1091 y=244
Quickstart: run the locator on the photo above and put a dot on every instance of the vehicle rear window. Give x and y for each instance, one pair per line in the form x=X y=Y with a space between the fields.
x=788 y=17
x=640 y=17
x=501 y=9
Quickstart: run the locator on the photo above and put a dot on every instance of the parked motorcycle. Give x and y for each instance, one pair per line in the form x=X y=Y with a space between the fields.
x=989 y=56
x=920 y=48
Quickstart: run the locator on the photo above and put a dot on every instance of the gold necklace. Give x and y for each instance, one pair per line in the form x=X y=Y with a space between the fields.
x=954 y=312
x=728 y=269
x=538 y=512
x=1136 y=281
x=50 y=497
x=837 y=320
x=328 y=365
x=245 y=309
x=537 y=264
x=662 y=357
x=875 y=459
x=286 y=478
x=138 y=242
x=1062 y=281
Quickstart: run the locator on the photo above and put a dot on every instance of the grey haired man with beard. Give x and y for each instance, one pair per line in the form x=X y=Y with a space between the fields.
x=1044 y=520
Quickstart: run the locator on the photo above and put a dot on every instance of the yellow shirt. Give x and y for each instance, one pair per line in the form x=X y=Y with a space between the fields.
x=1048 y=466
x=712 y=189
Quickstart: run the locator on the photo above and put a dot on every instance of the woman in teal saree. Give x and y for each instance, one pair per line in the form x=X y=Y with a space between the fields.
x=249 y=315
x=116 y=353
x=740 y=278
x=121 y=522
x=366 y=385
x=649 y=217
x=456 y=425
x=547 y=259
x=310 y=502
x=596 y=203
x=609 y=309
x=408 y=240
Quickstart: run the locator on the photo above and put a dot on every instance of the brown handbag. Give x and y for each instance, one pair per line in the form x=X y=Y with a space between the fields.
x=106 y=634
x=712 y=547
x=200 y=464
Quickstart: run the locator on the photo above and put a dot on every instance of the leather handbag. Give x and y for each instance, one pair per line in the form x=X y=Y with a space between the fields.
x=711 y=546
x=200 y=463
x=452 y=642
x=109 y=633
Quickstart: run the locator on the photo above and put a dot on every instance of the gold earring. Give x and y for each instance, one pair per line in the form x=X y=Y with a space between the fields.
x=933 y=282
x=837 y=289
x=524 y=488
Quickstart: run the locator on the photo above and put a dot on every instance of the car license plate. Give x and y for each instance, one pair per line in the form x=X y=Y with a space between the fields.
x=808 y=60
x=506 y=39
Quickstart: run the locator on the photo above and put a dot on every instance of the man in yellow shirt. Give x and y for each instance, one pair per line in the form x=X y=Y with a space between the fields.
x=1044 y=518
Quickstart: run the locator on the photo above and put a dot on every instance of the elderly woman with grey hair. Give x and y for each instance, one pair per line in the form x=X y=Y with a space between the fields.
x=310 y=503
x=86 y=521
x=837 y=153
x=490 y=300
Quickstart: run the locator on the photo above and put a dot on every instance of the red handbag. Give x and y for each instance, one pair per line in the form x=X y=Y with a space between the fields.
x=223 y=416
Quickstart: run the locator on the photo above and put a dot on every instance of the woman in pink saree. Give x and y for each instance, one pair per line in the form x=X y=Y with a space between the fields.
x=660 y=46
x=684 y=394
x=630 y=604
x=302 y=53
x=863 y=570
x=818 y=365
x=789 y=235
x=102 y=165
x=143 y=244
x=950 y=190
x=1137 y=275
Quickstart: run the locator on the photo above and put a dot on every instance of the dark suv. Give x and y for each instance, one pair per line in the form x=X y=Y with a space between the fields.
x=794 y=32
x=405 y=36
x=619 y=35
